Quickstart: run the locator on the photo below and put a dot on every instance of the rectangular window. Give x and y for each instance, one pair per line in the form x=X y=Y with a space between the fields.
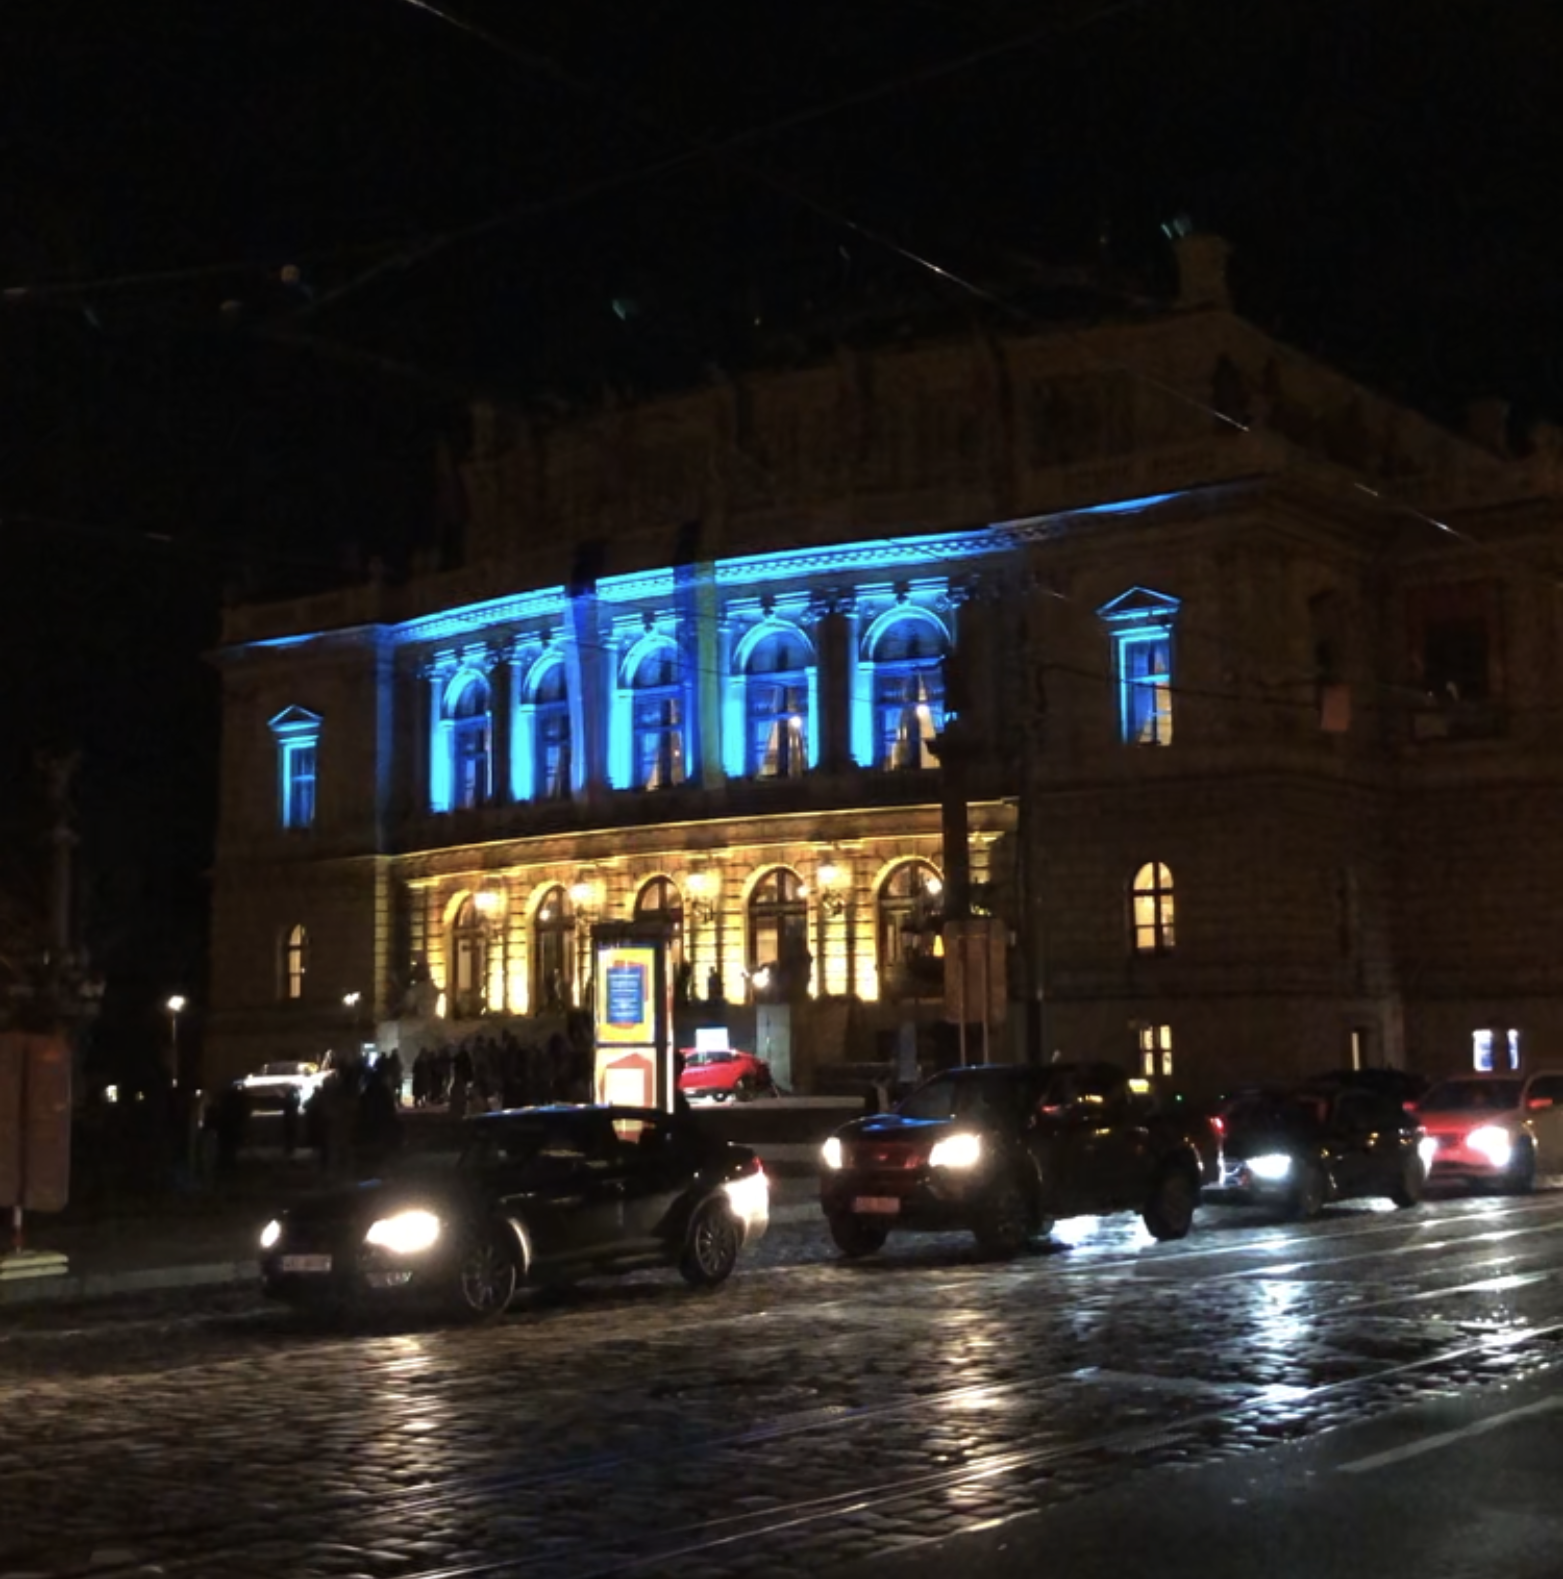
x=553 y=751
x=1156 y=1050
x=659 y=741
x=298 y=785
x=778 y=726
x=1495 y=1051
x=1145 y=677
x=910 y=707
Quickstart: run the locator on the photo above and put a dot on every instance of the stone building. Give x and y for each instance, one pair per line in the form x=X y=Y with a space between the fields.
x=1253 y=671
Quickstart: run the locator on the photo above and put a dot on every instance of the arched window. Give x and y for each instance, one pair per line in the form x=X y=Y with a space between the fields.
x=471 y=774
x=776 y=699
x=779 y=929
x=908 y=694
x=911 y=938
x=469 y=943
x=1153 y=909
x=553 y=953
x=660 y=900
x=551 y=734
x=295 y=961
x=658 y=718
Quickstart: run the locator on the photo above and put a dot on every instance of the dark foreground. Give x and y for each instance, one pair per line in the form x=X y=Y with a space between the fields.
x=812 y=1413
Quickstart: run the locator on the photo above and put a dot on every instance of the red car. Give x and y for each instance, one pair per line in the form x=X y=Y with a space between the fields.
x=728 y=1075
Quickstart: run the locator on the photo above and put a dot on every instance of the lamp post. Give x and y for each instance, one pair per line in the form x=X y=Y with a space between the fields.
x=175 y=1007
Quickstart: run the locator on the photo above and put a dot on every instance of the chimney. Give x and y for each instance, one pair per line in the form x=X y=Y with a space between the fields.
x=1202 y=270
x=1487 y=424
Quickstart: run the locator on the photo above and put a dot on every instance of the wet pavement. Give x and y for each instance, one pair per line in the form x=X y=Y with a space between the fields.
x=810 y=1413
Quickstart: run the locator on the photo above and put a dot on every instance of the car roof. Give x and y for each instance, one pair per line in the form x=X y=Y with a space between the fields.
x=565 y=1110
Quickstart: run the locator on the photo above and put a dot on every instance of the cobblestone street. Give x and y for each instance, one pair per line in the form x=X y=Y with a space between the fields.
x=807 y=1414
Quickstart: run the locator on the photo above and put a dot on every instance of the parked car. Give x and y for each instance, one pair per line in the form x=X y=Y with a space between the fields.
x=1401 y=1084
x=1496 y=1129
x=271 y=1085
x=1295 y=1150
x=725 y=1075
x=1002 y=1150
x=537 y=1194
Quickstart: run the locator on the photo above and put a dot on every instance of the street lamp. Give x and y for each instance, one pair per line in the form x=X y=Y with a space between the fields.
x=175 y=1007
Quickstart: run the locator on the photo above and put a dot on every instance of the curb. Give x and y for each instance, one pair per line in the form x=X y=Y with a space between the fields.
x=80 y=1288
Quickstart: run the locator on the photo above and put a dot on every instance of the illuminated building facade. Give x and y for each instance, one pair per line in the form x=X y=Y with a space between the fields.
x=1242 y=715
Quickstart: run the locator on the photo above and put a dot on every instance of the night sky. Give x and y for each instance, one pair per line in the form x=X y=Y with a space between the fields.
x=255 y=256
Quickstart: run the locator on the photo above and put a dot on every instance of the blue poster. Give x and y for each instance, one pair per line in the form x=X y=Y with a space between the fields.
x=626 y=994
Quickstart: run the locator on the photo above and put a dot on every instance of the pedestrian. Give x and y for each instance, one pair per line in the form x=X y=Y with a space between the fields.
x=290 y=1118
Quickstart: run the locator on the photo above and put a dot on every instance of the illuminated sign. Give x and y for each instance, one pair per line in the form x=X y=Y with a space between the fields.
x=626 y=999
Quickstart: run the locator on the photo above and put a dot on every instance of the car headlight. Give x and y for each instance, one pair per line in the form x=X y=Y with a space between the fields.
x=1495 y=1144
x=831 y=1152
x=1270 y=1169
x=750 y=1195
x=1427 y=1149
x=270 y=1234
x=404 y=1234
x=956 y=1151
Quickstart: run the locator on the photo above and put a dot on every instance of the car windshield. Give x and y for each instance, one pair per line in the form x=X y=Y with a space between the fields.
x=279 y=1071
x=700 y=1060
x=1472 y=1096
x=976 y=1095
x=1276 y=1111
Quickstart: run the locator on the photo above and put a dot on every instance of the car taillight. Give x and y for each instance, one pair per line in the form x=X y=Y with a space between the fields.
x=1219 y=1125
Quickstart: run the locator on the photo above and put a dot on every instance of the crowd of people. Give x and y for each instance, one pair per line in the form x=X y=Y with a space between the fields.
x=484 y=1072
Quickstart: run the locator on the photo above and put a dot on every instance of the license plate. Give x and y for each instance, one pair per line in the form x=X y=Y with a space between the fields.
x=887 y=1204
x=306 y=1263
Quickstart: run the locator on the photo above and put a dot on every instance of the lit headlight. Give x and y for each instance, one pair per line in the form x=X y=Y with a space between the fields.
x=1495 y=1144
x=1272 y=1169
x=956 y=1151
x=270 y=1234
x=831 y=1152
x=1427 y=1149
x=751 y=1196
x=404 y=1234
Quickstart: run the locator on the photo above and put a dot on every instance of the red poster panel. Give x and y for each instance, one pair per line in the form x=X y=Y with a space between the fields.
x=35 y=1122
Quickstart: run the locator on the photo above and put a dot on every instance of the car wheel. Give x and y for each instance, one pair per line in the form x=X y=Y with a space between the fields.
x=857 y=1236
x=1169 y=1214
x=711 y=1250
x=488 y=1276
x=1004 y=1229
x=1413 y=1178
x=1308 y=1197
x=1521 y=1176
x=743 y=1089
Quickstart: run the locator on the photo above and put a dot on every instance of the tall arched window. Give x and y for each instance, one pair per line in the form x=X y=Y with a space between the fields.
x=295 y=961
x=551 y=734
x=660 y=900
x=776 y=700
x=553 y=953
x=1153 y=909
x=469 y=943
x=910 y=915
x=779 y=925
x=658 y=718
x=908 y=693
x=471 y=772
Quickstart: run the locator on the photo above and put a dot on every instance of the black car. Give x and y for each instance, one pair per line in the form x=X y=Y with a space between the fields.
x=536 y=1195
x=1002 y=1150
x=1295 y=1150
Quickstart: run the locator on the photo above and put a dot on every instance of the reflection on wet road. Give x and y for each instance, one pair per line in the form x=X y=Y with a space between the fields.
x=807 y=1413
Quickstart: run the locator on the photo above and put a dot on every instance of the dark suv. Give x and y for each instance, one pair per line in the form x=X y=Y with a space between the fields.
x=1002 y=1150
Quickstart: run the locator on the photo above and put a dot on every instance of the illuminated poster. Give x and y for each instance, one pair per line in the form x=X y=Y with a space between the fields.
x=626 y=1001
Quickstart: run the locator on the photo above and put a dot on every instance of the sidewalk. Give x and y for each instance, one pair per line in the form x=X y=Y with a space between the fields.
x=211 y=1243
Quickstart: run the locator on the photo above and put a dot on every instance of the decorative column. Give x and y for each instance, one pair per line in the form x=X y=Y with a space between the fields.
x=502 y=701
x=591 y=662
x=968 y=676
x=834 y=615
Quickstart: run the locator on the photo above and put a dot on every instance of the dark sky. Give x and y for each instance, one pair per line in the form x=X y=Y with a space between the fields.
x=255 y=253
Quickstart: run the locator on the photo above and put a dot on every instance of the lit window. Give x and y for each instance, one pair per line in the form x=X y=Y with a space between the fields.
x=551 y=735
x=1156 y=1050
x=908 y=694
x=1495 y=1051
x=1140 y=624
x=777 y=697
x=779 y=933
x=553 y=953
x=911 y=932
x=658 y=719
x=469 y=744
x=297 y=734
x=1153 y=909
x=295 y=962
x=469 y=947
x=660 y=900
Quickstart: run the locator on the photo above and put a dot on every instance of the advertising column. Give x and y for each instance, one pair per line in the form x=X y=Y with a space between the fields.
x=634 y=1016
